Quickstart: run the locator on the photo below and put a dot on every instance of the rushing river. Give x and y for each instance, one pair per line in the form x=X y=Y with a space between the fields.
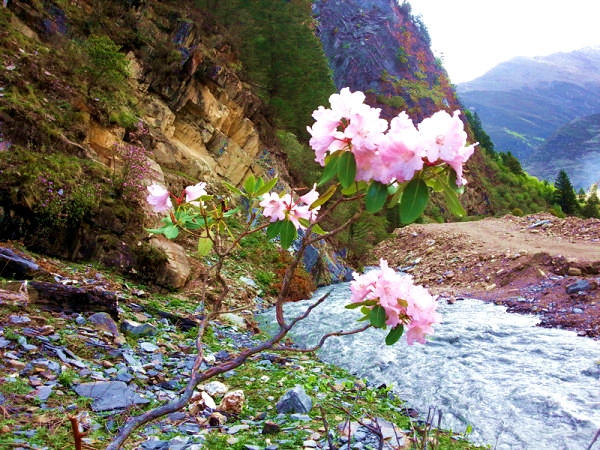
x=519 y=386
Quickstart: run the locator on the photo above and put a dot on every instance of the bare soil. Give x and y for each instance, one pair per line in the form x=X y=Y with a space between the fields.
x=525 y=263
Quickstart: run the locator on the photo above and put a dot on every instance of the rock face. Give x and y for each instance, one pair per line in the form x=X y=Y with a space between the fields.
x=378 y=46
x=203 y=124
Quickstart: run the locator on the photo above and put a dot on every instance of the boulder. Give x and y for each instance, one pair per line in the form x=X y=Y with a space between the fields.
x=294 y=401
x=177 y=270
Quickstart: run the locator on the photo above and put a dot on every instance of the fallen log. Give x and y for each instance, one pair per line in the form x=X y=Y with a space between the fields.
x=70 y=299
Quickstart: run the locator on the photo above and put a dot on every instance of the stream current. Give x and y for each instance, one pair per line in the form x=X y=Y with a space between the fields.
x=519 y=386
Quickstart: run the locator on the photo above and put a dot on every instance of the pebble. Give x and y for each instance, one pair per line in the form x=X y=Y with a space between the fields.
x=137 y=376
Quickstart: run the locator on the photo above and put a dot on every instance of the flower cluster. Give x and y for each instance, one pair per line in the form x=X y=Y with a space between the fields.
x=284 y=207
x=385 y=154
x=404 y=302
x=135 y=167
x=160 y=199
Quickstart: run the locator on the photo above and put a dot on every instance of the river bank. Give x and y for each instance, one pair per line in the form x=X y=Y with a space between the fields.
x=538 y=264
x=61 y=364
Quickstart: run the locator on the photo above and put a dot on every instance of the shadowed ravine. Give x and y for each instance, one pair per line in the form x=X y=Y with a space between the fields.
x=518 y=385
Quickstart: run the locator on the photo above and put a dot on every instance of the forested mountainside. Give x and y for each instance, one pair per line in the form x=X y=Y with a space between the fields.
x=99 y=98
x=574 y=148
x=524 y=101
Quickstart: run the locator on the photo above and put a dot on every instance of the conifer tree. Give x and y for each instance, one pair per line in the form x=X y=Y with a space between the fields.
x=591 y=207
x=565 y=193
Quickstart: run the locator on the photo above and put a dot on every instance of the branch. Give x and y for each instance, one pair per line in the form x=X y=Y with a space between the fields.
x=335 y=231
x=284 y=348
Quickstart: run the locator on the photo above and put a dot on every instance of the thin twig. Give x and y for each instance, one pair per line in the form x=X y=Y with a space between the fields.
x=284 y=348
x=596 y=436
x=326 y=426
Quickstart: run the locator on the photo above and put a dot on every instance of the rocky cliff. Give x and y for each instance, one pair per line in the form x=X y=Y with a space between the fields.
x=203 y=122
x=380 y=48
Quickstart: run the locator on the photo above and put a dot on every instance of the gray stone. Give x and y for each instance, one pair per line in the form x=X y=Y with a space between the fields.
x=294 y=401
x=80 y=320
x=21 y=340
x=4 y=342
x=155 y=445
x=236 y=428
x=249 y=281
x=15 y=266
x=43 y=393
x=102 y=321
x=215 y=388
x=301 y=417
x=109 y=395
x=581 y=286
x=148 y=347
x=16 y=319
x=135 y=365
x=178 y=442
x=136 y=329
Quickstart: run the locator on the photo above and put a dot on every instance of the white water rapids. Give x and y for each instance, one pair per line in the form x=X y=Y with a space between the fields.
x=519 y=386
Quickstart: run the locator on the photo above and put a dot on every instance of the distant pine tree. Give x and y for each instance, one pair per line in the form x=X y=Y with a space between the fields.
x=591 y=207
x=565 y=193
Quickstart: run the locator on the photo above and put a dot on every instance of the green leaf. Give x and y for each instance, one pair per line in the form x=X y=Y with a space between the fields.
x=359 y=304
x=377 y=316
x=394 y=334
x=231 y=212
x=451 y=196
x=376 y=196
x=330 y=169
x=195 y=224
x=171 y=231
x=316 y=228
x=274 y=229
x=232 y=188
x=266 y=187
x=287 y=233
x=414 y=200
x=453 y=203
x=346 y=169
x=204 y=246
x=323 y=198
x=435 y=184
x=156 y=230
x=249 y=184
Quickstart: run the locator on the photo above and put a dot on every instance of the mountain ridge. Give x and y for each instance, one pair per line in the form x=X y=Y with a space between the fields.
x=524 y=101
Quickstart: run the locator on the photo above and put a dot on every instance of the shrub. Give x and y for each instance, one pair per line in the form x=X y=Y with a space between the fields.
x=107 y=68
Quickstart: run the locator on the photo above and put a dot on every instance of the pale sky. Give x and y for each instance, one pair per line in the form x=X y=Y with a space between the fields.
x=475 y=35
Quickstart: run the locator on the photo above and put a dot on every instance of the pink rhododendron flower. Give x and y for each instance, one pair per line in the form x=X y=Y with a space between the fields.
x=444 y=138
x=401 y=153
x=348 y=124
x=351 y=125
x=275 y=206
x=195 y=192
x=403 y=301
x=281 y=208
x=159 y=198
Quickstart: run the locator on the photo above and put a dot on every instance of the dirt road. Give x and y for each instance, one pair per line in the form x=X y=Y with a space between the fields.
x=530 y=264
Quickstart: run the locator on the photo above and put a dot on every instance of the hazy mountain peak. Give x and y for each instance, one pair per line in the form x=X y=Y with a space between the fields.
x=579 y=67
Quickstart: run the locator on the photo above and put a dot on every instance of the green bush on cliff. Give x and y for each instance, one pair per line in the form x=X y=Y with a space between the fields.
x=281 y=56
x=58 y=188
